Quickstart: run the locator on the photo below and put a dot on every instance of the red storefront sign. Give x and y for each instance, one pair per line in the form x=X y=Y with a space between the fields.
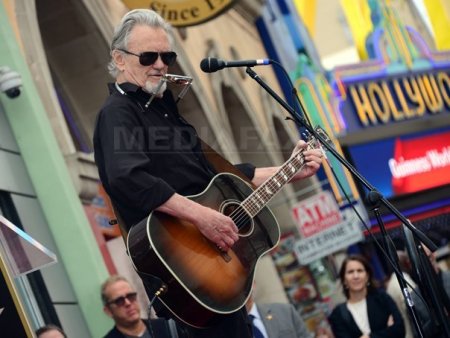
x=316 y=213
x=421 y=163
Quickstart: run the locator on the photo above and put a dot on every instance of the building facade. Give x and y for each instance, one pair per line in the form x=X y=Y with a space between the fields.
x=49 y=178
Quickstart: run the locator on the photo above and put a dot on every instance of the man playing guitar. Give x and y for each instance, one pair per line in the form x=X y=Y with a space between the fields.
x=146 y=158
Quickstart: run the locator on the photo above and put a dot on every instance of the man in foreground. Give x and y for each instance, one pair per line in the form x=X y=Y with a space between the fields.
x=149 y=158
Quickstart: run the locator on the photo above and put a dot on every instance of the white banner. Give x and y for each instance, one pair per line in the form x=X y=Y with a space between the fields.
x=332 y=239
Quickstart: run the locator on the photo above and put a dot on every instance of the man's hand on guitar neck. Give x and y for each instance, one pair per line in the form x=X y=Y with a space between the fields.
x=215 y=226
x=313 y=160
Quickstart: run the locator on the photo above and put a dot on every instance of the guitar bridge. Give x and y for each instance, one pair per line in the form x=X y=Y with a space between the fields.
x=226 y=257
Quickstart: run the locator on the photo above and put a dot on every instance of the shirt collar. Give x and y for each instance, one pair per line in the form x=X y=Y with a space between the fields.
x=127 y=87
x=254 y=312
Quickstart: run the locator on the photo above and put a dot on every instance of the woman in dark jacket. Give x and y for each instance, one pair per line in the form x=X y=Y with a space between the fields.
x=368 y=312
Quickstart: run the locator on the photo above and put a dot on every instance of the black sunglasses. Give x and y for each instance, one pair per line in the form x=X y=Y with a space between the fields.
x=149 y=58
x=120 y=301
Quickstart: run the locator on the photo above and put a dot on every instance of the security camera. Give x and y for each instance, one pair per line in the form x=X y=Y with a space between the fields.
x=10 y=82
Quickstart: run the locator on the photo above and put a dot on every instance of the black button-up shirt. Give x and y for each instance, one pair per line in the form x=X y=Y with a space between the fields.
x=145 y=155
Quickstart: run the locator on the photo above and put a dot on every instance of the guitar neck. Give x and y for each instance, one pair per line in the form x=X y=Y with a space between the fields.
x=266 y=191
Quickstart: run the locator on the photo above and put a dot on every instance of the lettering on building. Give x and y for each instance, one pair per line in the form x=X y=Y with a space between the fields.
x=433 y=159
x=182 y=13
x=402 y=98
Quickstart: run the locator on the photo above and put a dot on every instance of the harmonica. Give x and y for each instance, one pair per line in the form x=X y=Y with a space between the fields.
x=178 y=79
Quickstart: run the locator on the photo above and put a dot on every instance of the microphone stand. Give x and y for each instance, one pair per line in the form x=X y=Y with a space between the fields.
x=430 y=286
x=373 y=199
x=301 y=122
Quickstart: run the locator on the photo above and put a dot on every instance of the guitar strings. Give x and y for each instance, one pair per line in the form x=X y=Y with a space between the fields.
x=297 y=159
x=270 y=185
x=240 y=216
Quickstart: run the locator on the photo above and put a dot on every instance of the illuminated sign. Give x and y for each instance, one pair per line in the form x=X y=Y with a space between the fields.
x=375 y=102
x=405 y=164
x=182 y=13
x=420 y=164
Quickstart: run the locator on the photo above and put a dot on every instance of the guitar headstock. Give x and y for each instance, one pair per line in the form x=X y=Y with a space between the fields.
x=314 y=143
x=323 y=134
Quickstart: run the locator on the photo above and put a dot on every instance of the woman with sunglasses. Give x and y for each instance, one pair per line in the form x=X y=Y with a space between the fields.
x=368 y=312
x=149 y=157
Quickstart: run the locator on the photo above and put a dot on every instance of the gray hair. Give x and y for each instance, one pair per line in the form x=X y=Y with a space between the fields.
x=129 y=21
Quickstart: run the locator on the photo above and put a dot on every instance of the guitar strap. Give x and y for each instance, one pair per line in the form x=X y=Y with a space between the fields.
x=220 y=164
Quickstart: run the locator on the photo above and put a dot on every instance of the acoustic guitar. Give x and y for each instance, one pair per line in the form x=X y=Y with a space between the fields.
x=200 y=282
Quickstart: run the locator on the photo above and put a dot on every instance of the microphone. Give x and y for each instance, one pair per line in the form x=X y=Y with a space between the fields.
x=210 y=65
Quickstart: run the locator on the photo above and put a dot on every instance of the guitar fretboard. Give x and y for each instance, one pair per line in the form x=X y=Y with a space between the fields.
x=266 y=191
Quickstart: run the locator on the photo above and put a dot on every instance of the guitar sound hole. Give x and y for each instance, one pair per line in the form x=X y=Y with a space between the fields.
x=240 y=217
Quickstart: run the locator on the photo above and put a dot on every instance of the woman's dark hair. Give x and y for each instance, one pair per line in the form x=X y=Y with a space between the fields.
x=49 y=327
x=372 y=283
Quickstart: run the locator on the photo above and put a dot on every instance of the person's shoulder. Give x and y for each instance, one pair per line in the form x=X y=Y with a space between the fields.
x=337 y=312
x=117 y=109
x=116 y=101
x=380 y=295
x=277 y=310
x=114 y=333
x=377 y=293
x=338 y=308
x=445 y=274
x=275 y=306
